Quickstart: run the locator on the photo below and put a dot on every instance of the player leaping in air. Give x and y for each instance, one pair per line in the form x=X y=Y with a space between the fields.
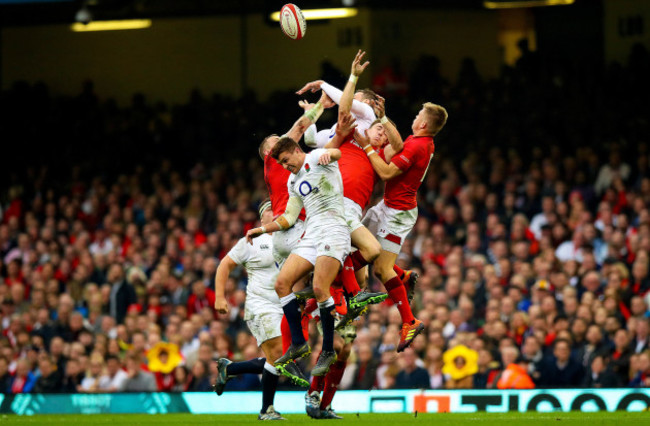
x=316 y=184
x=392 y=219
x=276 y=177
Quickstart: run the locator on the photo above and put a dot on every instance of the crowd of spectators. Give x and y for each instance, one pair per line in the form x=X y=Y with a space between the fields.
x=532 y=242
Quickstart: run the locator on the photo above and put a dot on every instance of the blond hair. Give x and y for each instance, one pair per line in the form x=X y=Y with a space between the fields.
x=437 y=116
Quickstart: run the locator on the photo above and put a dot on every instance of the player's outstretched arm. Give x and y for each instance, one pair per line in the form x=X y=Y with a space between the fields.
x=394 y=138
x=226 y=266
x=384 y=171
x=359 y=108
x=311 y=115
x=345 y=105
x=312 y=86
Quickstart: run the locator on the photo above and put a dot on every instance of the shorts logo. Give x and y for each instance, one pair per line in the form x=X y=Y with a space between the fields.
x=304 y=188
x=264 y=247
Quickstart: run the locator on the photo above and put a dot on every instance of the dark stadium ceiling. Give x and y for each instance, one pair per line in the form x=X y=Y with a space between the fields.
x=38 y=12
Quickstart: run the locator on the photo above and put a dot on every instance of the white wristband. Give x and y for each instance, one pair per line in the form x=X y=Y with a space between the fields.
x=263 y=228
x=353 y=78
x=383 y=120
x=369 y=153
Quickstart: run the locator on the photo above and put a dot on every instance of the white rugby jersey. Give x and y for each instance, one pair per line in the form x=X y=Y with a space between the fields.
x=362 y=112
x=320 y=188
x=260 y=265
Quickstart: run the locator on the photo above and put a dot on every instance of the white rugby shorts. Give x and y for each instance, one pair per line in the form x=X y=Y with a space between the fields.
x=263 y=318
x=390 y=226
x=353 y=213
x=285 y=241
x=324 y=240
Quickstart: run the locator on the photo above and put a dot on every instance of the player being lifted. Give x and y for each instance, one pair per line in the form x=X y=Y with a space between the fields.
x=392 y=219
x=316 y=184
x=276 y=178
x=362 y=109
x=263 y=313
x=356 y=191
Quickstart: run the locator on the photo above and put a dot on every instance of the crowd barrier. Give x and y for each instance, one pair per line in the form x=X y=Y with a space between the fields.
x=375 y=401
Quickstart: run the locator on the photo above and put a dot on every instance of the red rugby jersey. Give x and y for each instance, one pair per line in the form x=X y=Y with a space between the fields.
x=276 y=178
x=357 y=173
x=413 y=160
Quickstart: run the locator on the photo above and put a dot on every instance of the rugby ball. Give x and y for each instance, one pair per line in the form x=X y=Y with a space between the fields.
x=292 y=21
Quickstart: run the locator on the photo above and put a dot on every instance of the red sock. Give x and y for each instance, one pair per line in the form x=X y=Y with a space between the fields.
x=317 y=384
x=348 y=278
x=332 y=380
x=286 y=334
x=338 y=282
x=399 y=271
x=397 y=294
x=357 y=260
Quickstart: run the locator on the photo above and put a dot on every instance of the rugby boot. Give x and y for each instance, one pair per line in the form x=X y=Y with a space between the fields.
x=305 y=294
x=349 y=317
x=325 y=360
x=411 y=278
x=312 y=404
x=270 y=414
x=294 y=352
x=293 y=372
x=408 y=333
x=365 y=298
x=222 y=375
x=329 y=414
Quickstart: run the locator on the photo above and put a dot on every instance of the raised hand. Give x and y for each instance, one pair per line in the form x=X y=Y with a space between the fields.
x=362 y=140
x=346 y=124
x=326 y=101
x=380 y=106
x=357 y=66
x=305 y=105
x=313 y=87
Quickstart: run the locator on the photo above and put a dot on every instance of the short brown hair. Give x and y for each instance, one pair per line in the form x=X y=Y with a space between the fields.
x=437 y=116
x=367 y=94
x=285 y=144
x=262 y=147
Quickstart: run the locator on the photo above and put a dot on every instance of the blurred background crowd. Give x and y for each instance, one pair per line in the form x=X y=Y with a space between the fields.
x=532 y=243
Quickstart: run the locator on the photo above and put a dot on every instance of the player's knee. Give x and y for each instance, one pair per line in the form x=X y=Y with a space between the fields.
x=282 y=287
x=382 y=273
x=321 y=292
x=372 y=251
